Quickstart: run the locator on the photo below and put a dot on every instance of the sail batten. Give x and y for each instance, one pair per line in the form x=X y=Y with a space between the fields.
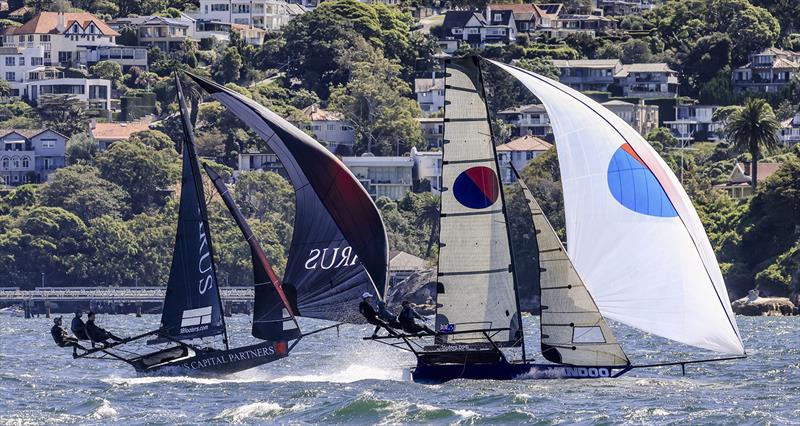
x=339 y=248
x=476 y=288
x=633 y=233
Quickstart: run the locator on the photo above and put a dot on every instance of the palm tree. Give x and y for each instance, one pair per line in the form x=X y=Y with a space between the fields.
x=753 y=128
x=428 y=215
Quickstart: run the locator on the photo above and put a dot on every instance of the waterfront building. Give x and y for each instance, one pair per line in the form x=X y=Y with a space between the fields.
x=265 y=14
x=390 y=177
x=652 y=80
x=739 y=184
x=402 y=265
x=30 y=156
x=518 y=153
x=768 y=71
x=694 y=123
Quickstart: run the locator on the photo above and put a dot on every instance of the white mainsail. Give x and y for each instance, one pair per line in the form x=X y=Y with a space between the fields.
x=476 y=284
x=633 y=234
x=573 y=330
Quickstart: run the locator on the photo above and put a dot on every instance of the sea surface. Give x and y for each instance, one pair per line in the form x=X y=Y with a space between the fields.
x=342 y=379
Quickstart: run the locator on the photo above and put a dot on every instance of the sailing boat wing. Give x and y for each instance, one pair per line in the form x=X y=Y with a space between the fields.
x=475 y=280
x=339 y=248
x=573 y=330
x=633 y=233
x=192 y=305
x=272 y=313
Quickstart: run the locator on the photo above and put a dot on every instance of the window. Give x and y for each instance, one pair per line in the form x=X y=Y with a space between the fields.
x=48 y=143
x=26 y=162
x=10 y=76
x=64 y=56
x=219 y=7
x=48 y=164
x=5 y=162
x=22 y=61
x=15 y=178
x=15 y=162
x=331 y=127
x=10 y=61
x=44 y=37
x=498 y=17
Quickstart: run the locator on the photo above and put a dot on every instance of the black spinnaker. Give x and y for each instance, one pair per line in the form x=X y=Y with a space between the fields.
x=339 y=248
x=273 y=317
x=192 y=305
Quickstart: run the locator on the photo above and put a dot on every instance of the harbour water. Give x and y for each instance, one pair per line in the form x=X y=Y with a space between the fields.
x=343 y=379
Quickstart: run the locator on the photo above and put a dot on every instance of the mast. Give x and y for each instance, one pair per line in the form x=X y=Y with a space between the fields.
x=505 y=208
x=188 y=133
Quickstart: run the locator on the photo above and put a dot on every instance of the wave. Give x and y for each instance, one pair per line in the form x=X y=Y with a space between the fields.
x=253 y=410
x=353 y=373
x=104 y=411
x=174 y=379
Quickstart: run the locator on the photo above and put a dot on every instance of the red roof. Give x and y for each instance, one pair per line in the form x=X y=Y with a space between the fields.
x=47 y=23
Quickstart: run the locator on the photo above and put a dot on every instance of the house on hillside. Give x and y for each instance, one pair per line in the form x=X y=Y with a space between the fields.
x=651 y=80
x=642 y=117
x=624 y=7
x=518 y=153
x=527 y=16
x=390 y=177
x=73 y=40
x=430 y=94
x=477 y=29
x=588 y=74
x=739 y=183
x=267 y=15
x=106 y=134
x=254 y=160
x=167 y=34
x=427 y=167
x=527 y=120
x=594 y=25
x=768 y=71
x=694 y=123
x=790 y=130
x=331 y=129
x=432 y=131
x=30 y=156
x=402 y=265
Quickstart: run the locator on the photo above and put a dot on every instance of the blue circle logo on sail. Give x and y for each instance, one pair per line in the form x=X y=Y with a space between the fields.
x=633 y=184
x=477 y=187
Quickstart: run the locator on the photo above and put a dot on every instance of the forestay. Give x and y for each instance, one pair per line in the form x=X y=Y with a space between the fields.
x=633 y=234
x=573 y=330
x=476 y=284
x=192 y=305
x=339 y=248
x=272 y=316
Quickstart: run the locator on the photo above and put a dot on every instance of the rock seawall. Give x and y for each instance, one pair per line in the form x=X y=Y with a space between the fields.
x=764 y=306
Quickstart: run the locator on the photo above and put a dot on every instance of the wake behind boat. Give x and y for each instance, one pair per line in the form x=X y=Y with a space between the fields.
x=624 y=207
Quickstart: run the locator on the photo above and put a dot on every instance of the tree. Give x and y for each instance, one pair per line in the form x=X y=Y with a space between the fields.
x=260 y=193
x=63 y=113
x=109 y=258
x=154 y=139
x=229 y=66
x=108 y=70
x=635 y=51
x=541 y=66
x=753 y=128
x=81 y=149
x=375 y=101
x=5 y=88
x=80 y=190
x=427 y=212
x=143 y=171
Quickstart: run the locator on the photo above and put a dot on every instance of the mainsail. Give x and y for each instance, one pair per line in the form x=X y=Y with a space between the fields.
x=272 y=316
x=633 y=234
x=339 y=248
x=192 y=305
x=476 y=288
x=573 y=330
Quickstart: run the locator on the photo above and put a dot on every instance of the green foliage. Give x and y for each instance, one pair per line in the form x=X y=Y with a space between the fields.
x=142 y=170
x=259 y=194
x=541 y=66
x=63 y=113
x=80 y=190
x=753 y=128
x=154 y=139
x=81 y=149
x=108 y=70
x=635 y=51
x=229 y=66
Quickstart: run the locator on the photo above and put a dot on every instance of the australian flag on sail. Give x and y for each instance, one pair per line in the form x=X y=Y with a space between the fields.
x=192 y=305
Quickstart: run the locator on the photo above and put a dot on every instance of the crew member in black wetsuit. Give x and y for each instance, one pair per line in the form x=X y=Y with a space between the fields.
x=62 y=338
x=372 y=317
x=407 y=317
x=78 y=326
x=97 y=334
x=386 y=316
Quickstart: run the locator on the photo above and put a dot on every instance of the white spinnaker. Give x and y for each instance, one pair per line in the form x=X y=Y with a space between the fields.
x=655 y=273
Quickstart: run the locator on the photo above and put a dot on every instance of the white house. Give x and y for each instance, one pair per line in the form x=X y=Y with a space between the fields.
x=432 y=131
x=527 y=120
x=428 y=166
x=518 y=153
x=331 y=129
x=694 y=123
x=264 y=14
x=642 y=117
x=73 y=40
x=430 y=94
x=790 y=130
x=383 y=176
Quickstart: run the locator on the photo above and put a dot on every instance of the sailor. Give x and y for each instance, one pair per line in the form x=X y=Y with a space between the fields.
x=386 y=316
x=78 y=327
x=371 y=316
x=62 y=338
x=407 y=319
x=97 y=334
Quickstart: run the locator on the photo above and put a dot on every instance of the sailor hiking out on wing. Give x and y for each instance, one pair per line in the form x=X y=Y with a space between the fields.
x=407 y=319
x=97 y=334
x=371 y=316
x=78 y=326
x=387 y=316
x=62 y=338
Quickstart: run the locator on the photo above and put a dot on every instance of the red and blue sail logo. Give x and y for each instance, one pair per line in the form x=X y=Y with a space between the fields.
x=636 y=187
x=477 y=187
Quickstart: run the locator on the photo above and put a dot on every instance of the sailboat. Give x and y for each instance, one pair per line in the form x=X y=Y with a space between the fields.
x=192 y=305
x=339 y=247
x=638 y=252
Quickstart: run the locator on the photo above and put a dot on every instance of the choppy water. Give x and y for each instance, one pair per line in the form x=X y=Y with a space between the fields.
x=330 y=379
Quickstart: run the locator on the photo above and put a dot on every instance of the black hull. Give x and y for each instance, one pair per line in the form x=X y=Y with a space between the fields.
x=184 y=361
x=504 y=370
